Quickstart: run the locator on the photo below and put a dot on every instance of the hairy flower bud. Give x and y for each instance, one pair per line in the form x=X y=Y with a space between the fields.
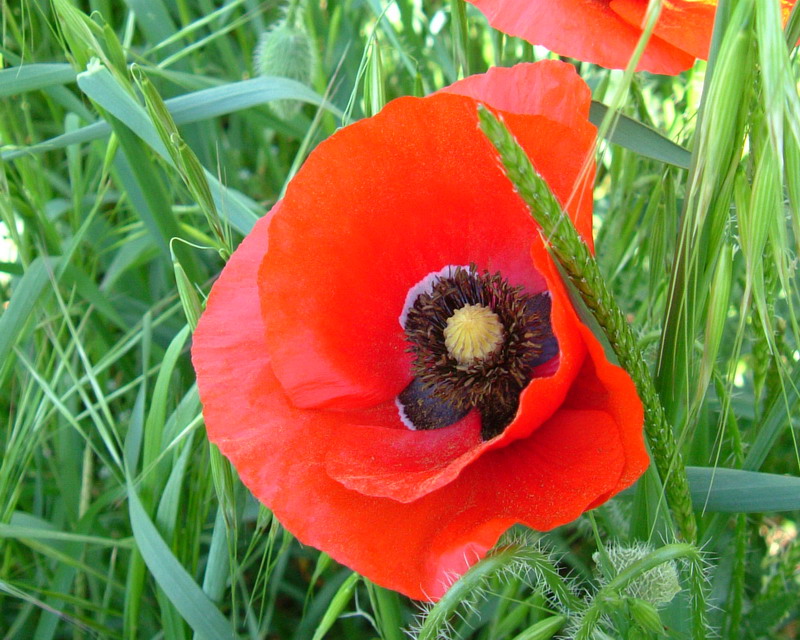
x=658 y=586
x=285 y=50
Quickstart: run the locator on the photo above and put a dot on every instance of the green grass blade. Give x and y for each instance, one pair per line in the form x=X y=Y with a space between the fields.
x=192 y=107
x=154 y=19
x=237 y=96
x=31 y=77
x=337 y=605
x=776 y=421
x=218 y=565
x=188 y=598
x=144 y=184
x=736 y=491
x=543 y=629
x=27 y=294
x=640 y=138
x=99 y=85
x=388 y=616
x=156 y=416
x=23 y=528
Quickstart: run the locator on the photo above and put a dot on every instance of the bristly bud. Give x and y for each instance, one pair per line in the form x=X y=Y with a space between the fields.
x=285 y=50
x=657 y=586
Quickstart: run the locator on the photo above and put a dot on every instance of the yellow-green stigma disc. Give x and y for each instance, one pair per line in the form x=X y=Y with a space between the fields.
x=472 y=333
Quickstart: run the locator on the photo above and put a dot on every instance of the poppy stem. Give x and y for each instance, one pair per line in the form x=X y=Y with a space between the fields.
x=573 y=255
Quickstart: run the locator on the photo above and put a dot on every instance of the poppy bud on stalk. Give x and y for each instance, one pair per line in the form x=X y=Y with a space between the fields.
x=285 y=50
x=657 y=586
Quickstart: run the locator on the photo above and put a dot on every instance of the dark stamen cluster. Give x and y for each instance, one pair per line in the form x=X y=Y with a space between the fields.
x=492 y=384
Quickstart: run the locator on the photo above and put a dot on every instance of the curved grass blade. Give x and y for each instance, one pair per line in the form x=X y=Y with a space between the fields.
x=189 y=599
x=31 y=77
x=337 y=606
x=197 y=106
x=775 y=422
x=26 y=296
x=640 y=138
x=736 y=491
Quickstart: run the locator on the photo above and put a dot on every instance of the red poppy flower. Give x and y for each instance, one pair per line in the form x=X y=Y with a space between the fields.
x=401 y=446
x=606 y=32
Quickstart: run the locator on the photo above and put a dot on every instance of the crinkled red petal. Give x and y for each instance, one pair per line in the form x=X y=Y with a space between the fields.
x=552 y=89
x=686 y=25
x=549 y=88
x=372 y=212
x=588 y=30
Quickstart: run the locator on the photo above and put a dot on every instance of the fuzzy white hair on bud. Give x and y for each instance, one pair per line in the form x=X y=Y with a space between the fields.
x=286 y=51
x=657 y=586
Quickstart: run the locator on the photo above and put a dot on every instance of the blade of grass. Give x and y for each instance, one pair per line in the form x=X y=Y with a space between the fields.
x=17 y=315
x=736 y=491
x=199 y=106
x=189 y=599
x=638 y=137
x=32 y=77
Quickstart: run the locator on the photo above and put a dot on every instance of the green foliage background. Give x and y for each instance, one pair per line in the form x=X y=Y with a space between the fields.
x=139 y=142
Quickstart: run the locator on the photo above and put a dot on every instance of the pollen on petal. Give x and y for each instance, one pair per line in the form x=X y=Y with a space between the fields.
x=472 y=333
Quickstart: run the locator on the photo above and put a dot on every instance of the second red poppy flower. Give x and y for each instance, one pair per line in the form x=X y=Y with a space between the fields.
x=605 y=32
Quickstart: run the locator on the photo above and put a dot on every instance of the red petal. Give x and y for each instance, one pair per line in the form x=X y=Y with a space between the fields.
x=685 y=24
x=418 y=548
x=554 y=90
x=228 y=344
x=549 y=88
x=376 y=209
x=564 y=157
x=584 y=29
x=610 y=388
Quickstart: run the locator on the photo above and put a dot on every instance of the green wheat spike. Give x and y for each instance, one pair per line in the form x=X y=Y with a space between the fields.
x=584 y=274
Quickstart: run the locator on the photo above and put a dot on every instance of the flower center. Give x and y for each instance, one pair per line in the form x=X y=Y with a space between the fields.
x=472 y=333
x=475 y=341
